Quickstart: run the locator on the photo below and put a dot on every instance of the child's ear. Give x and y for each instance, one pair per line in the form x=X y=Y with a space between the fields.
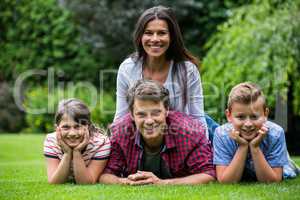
x=228 y=115
x=266 y=112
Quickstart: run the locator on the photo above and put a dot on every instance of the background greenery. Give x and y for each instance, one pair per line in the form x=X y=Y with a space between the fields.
x=85 y=41
x=23 y=176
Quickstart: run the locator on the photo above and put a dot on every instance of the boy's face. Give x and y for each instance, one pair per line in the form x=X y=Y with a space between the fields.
x=247 y=118
x=72 y=132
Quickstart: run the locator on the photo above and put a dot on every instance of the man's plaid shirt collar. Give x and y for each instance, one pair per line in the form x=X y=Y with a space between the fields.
x=168 y=142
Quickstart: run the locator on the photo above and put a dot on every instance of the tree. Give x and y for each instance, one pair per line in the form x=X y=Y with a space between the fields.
x=39 y=34
x=108 y=25
x=259 y=43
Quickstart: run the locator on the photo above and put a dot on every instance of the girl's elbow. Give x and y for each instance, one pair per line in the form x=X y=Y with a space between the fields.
x=53 y=182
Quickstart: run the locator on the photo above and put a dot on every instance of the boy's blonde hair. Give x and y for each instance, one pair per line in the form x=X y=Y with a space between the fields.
x=245 y=93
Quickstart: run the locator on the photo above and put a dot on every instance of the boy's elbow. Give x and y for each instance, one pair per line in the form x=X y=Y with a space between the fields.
x=273 y=180
x=225 y=180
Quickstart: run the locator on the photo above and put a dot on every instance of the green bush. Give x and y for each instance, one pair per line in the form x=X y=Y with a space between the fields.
x=259 y=43
x=41 y=104
x=38 y=34
x=12 y=119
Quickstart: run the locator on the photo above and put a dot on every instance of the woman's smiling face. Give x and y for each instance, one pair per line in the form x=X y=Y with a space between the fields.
x=156 y=38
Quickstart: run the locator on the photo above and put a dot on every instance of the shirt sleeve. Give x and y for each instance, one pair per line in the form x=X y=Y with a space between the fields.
x=103 y=150
x=277 y=153
x=51 y=149
x=200 y=160
x=195 y=95
x=223 y=152
x=123 y=81
x=116 y=162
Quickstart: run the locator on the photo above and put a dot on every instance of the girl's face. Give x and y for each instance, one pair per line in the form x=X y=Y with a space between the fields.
x=156 y=38
x=72 y=132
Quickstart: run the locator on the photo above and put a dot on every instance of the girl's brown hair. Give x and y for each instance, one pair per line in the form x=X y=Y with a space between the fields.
x=79 y=112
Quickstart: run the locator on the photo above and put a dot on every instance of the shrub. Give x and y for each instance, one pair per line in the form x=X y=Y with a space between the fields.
x=40 y=105
x=38 y=34
x=259 y=43
x=12 y=119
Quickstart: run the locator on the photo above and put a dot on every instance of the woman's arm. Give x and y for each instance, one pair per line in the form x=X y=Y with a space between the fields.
x=123 y=82
x=195 y=95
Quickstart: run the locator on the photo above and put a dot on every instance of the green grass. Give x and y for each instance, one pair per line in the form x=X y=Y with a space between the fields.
x=23 y=176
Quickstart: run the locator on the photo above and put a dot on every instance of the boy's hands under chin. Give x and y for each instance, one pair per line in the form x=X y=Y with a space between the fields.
x=235 y=135
x=84 y=142
x=261 y=134
x=65 y=148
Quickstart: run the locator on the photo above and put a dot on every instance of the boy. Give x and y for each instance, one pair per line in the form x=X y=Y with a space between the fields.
x=250 y=147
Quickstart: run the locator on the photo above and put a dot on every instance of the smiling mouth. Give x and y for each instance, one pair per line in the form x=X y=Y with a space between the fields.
x=248 y=132
x=151 y=129
x=155 y=46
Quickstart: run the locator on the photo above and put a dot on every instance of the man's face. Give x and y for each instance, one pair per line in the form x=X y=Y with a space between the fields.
x=150 y=119
x=247 y=118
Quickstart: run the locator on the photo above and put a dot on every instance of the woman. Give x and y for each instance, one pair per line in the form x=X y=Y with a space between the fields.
x=161 y=56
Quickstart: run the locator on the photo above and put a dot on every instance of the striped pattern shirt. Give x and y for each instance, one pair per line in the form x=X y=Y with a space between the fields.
x=97 y=149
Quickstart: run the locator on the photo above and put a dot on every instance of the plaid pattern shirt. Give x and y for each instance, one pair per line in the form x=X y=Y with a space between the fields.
x=186 y=150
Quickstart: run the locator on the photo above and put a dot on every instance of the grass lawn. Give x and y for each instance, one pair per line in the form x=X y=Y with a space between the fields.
x=23 y=176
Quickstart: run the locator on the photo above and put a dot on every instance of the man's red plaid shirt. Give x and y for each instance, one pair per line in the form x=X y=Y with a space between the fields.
x=186 y=150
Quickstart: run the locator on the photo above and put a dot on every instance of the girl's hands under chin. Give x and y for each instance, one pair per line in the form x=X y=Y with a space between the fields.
x=85 y=141
x=65 y=148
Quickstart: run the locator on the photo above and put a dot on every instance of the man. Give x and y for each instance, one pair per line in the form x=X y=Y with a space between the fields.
x=152 y=145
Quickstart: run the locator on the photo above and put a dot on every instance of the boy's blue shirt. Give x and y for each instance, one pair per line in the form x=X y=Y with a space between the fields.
x=273 y=147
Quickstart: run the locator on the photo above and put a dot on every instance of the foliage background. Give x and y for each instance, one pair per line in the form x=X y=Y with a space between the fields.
x=85 y=41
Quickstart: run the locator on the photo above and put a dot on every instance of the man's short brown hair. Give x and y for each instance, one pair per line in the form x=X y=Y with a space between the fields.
x=245 y=93
x=148 y=90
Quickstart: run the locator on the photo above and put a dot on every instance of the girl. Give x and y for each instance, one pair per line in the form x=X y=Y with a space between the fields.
x=161 y=56
x=77 y=151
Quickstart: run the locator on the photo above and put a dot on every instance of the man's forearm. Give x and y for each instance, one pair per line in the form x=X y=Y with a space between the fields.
x=112 y=179
x=188 y=180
